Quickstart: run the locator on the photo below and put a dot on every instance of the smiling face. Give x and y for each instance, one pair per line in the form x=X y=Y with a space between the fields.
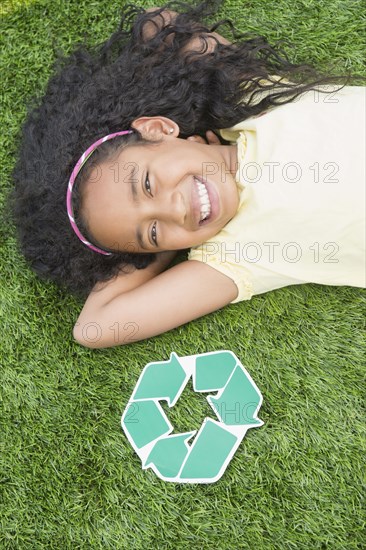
x=169 y=195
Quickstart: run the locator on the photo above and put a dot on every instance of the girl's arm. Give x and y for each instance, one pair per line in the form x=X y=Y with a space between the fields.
x=180 y=294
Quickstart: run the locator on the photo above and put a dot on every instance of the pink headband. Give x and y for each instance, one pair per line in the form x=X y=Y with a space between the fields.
x=78 y=166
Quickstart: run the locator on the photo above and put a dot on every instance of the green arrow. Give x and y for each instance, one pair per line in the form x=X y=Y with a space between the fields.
x=210 y=451
x=161 y=380
x=238 y=402
x=168 y=454
x=145 y=421
x=213 y=370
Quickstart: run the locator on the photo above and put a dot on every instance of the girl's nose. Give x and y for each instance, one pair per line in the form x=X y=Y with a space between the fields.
x=170 y=208
x=178 y=208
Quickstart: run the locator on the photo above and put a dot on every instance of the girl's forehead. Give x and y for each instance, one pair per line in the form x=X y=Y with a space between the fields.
x=124 y=168
x=129 y=163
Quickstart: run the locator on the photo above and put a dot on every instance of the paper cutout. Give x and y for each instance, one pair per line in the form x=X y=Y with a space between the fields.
x=149 y=431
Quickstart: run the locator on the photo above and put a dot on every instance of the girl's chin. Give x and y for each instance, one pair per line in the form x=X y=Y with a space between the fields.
x=209 y=233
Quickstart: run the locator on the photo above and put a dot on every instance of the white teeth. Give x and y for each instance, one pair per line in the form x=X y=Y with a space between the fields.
x=204 y=200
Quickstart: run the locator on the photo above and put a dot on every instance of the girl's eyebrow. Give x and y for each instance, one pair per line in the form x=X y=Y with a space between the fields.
x=136 y=201
x=140 y=239
x=134 y=192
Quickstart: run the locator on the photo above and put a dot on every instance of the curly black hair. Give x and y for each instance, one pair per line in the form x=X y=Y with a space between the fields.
x=99 y=90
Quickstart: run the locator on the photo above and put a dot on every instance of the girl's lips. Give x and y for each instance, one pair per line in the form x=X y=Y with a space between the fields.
x=214 y=201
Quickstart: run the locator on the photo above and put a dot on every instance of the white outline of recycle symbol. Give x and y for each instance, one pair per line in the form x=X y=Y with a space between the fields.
x=149 y=431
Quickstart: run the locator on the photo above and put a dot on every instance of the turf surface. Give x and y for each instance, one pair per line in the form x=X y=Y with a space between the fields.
x=69 y=478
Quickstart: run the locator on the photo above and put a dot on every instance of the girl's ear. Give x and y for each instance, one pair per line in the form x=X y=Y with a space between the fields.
x=155 y=127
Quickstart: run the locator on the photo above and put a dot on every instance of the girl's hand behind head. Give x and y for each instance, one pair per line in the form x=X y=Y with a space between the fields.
x=201 y=42
x=211 y=138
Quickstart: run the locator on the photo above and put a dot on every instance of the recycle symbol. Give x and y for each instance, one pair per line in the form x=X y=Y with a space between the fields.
x=149 y=431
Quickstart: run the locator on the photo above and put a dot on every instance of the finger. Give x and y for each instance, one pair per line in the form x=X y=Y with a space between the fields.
x=197 y=139
x=212 y=138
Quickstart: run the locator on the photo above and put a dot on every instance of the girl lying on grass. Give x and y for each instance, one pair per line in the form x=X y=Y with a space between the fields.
x=114 y=176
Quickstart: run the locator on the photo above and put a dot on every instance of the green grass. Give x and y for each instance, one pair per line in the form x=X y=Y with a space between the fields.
x=69 y=478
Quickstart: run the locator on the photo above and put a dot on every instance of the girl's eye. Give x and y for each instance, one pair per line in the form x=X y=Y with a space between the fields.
x=153 y=234
x=147 y=184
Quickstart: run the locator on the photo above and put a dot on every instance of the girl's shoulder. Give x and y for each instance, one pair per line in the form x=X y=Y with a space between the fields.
x=315 y=100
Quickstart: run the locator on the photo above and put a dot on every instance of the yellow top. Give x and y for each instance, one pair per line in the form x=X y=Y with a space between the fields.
x=301 y=183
